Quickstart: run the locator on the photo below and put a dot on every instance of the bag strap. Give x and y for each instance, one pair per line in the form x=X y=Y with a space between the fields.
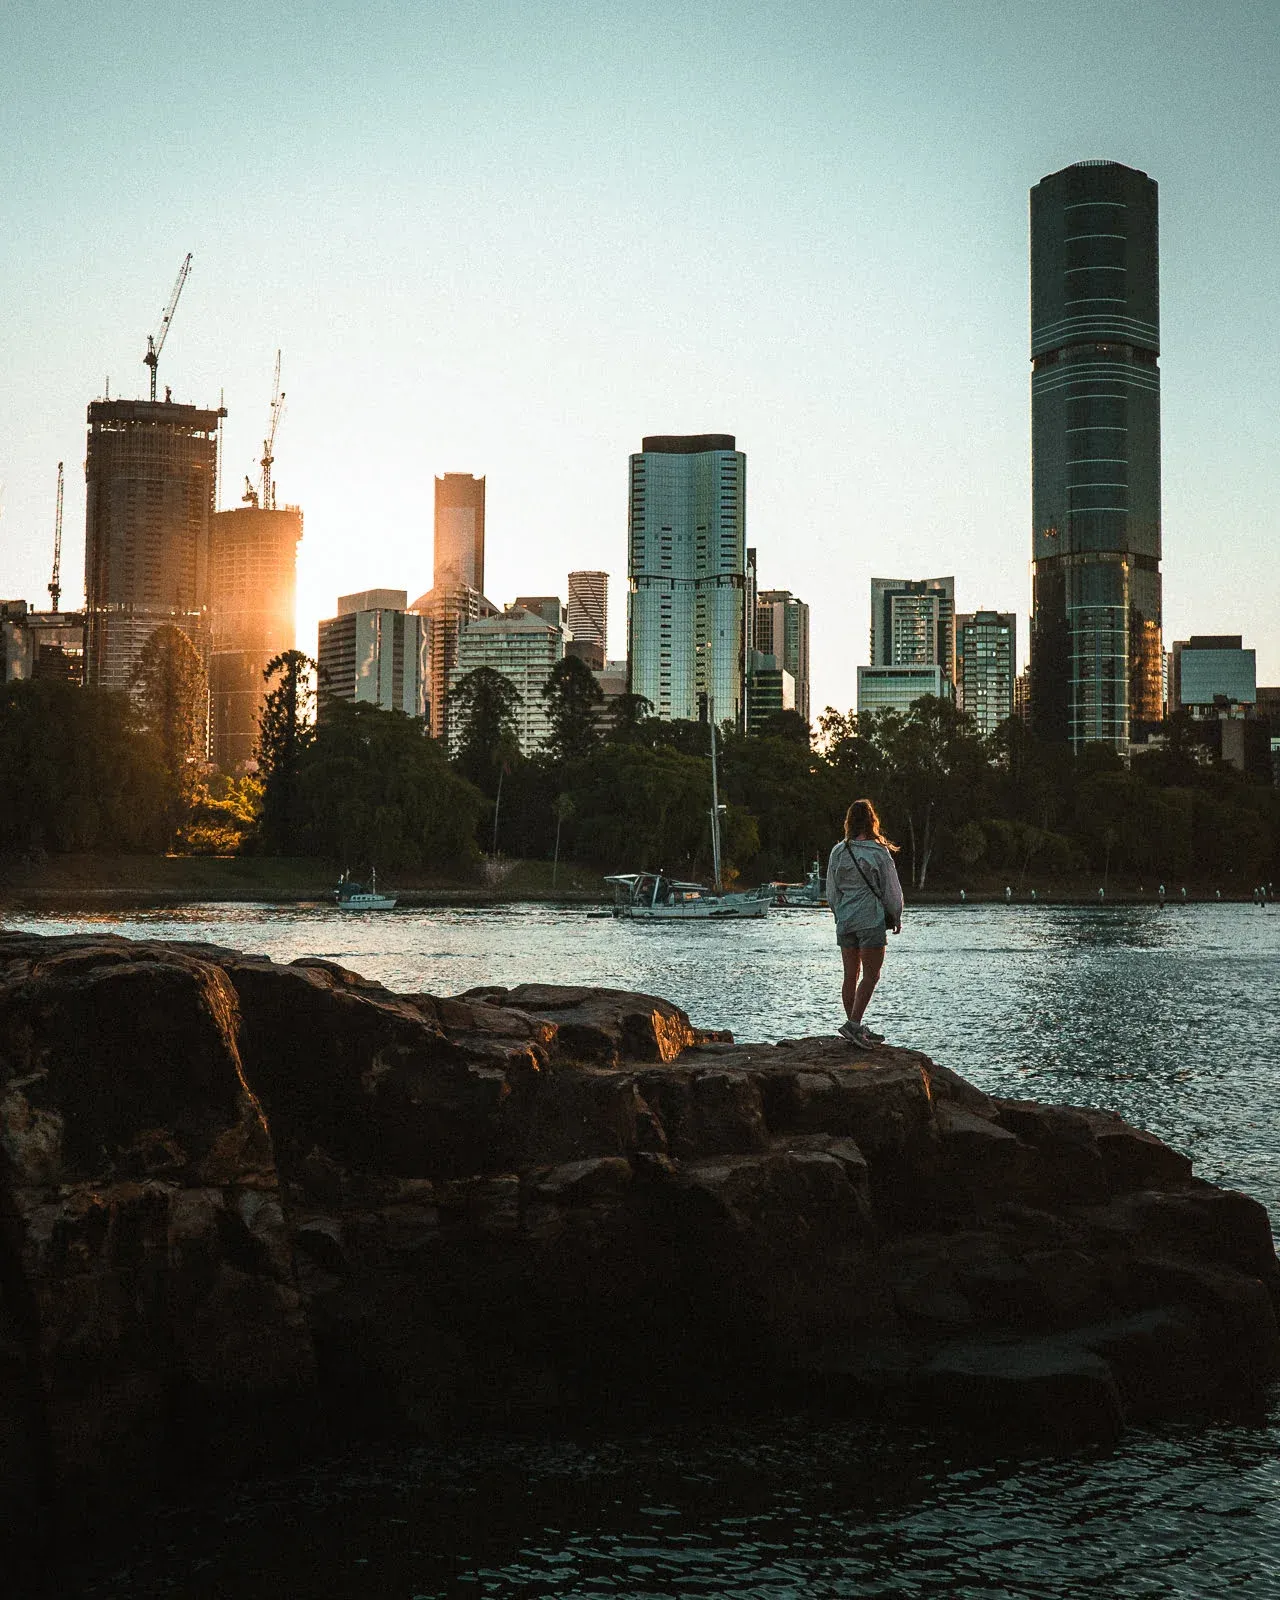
x=864 y=877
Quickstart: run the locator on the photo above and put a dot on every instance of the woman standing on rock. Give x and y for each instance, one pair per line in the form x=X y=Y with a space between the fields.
x=866 y=900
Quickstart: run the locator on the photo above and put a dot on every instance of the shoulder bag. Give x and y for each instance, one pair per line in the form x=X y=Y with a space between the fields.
x=889 y=921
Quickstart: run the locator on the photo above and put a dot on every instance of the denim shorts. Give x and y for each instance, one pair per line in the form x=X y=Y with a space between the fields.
x=851 y=938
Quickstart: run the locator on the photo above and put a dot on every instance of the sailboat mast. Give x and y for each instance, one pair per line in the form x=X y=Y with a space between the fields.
x=715 y=798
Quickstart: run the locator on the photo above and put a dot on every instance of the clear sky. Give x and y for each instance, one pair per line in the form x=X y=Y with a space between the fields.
x=512 y=238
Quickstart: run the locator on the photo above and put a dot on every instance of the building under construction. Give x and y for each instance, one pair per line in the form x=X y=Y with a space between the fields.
x=150 y=473
x=253 y=555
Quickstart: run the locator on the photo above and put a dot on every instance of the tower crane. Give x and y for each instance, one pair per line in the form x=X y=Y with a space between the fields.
x=269 y=443
x=266 y=495
x=55 y=585
x=155 y=342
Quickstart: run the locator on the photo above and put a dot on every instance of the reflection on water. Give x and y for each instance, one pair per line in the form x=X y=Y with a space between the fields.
x=1170 y=1017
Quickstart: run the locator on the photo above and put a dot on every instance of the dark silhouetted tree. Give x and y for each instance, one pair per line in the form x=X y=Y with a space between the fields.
x=286 y=728
x=573 y=700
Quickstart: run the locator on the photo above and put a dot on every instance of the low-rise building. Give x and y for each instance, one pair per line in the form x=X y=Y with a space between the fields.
x=898 y=688
x=40 y=644
x=770 y=689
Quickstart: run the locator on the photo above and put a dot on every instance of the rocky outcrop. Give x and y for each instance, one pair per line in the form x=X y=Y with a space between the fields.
x=238 y=1198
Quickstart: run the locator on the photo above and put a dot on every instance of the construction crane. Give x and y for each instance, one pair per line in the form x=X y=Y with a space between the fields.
x=269 y=443
x=265 y=494
x=155 y=342
x=55 y=585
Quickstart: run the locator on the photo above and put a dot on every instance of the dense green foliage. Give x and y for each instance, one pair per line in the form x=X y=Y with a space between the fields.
x=964 y=809
x=374 y=789
x=81 y=770
x=77 y=772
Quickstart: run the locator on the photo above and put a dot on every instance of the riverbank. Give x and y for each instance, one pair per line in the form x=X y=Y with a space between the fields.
x=106 y=882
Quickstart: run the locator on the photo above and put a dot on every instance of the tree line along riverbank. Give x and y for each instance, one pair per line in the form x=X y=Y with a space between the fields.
x=84 y=773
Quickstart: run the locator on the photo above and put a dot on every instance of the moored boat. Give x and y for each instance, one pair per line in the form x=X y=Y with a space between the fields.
x=652 y=896
x=797 y=896
x=352 y=896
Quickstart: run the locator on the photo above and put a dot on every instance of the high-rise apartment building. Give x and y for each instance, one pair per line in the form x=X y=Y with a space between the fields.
x=448 y=608
x=986 y=666
x=589 y=617
x=374 y=652
x=913 y=623
x=459 y=536
x=686 y=618
x=150 y=470
x=1095 y=456
x=524 y=647
x=782 y=631
x=253 y=559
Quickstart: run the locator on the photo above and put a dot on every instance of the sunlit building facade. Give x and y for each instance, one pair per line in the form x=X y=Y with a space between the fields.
x=1095 y=456
x=459 y=532
x=374 y=652
x=686 y=609
x=150 y=470
x=253 y=559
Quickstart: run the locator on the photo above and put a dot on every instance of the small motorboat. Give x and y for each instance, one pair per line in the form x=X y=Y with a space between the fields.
x=352 y=896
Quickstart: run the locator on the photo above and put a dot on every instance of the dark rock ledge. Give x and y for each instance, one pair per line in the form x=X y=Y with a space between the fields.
x=242 y=1201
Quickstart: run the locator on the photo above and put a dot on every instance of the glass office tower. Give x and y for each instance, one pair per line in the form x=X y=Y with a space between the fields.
x=686 y=610
x=1095 y=456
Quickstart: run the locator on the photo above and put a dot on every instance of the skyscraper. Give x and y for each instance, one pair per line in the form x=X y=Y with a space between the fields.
x=149 y=487
x=913 y=623
x=1095 y=455
x=782 y=630
x=986 y=666
x=459 y=538
x=686 y=621
x=589 y=616
x=253 y=558
x=524 y=646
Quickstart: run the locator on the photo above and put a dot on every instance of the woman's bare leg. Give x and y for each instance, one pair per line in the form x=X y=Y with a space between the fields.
x=872 y=961
x=848 y=993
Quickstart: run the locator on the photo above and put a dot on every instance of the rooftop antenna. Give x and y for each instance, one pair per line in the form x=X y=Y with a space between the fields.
x=155 y=342
x=55 y=585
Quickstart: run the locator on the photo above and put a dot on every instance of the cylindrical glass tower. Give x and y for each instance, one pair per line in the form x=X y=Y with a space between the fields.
x=1095 y=456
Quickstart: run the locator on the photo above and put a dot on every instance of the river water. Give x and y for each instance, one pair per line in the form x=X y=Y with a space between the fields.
x=1170 y=1016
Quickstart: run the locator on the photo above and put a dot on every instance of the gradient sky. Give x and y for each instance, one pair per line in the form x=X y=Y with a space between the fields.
x=511 y=239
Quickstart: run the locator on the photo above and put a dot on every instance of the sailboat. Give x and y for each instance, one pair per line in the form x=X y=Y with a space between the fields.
x=654 y=897
x=352 y=896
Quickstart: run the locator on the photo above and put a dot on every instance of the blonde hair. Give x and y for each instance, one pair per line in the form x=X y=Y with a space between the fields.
x=861 y=819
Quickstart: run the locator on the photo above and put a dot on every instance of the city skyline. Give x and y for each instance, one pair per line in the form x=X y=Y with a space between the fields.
x=492 y=342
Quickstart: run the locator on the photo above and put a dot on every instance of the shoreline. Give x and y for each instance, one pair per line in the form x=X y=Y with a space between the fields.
x=43 y=900
x=140 y=883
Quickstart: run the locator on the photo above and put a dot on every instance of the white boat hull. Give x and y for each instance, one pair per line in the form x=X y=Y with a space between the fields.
x=368 y=902
x=706 y=910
